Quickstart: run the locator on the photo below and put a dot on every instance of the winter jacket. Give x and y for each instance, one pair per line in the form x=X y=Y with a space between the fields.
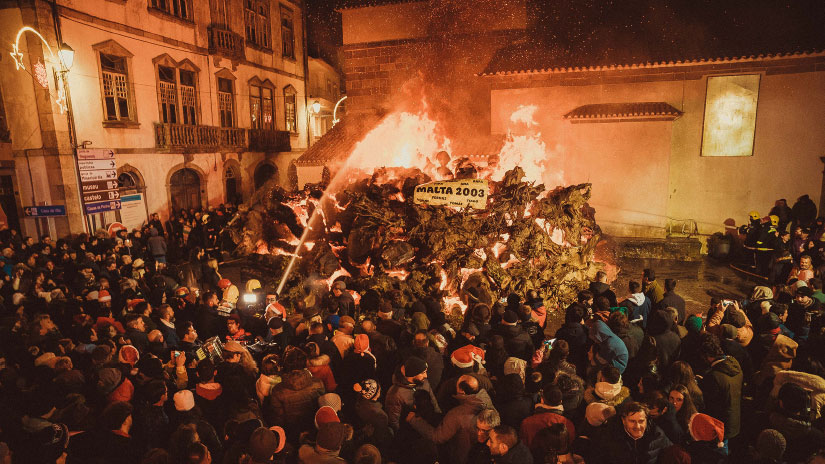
x=320 y=367
x=602 y=289
x=156 y=244
x=660 y=326
x=518 y=454
x=575 y=334
x=638 y=307
x=435 y=364
x=780 y=356
x=814 y=383
x=293 y=402
x=356 y=367
x=373 y=415
x=722 y=390
x=654 y=291
x=618 y=447
x=400 y=397
x=517 y=341
x=458 y=426
x=672 y=300
x=609 y=394
x=611 y=349
x=543 y=416
x=514 y=410
x=314 y=455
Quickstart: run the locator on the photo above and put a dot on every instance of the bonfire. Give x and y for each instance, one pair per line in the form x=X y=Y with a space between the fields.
x=366 y=229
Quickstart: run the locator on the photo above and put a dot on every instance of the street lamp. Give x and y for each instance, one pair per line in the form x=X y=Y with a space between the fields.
x=316 y=107
x=66 y=54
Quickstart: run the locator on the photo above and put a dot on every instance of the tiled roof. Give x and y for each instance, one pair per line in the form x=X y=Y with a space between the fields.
x=339 y=141
x=350 y=4
x=572 y=37
x=615 y=112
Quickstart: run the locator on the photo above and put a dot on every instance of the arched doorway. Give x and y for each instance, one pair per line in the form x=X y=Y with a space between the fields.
x=232 y=180
x=185 y=189
x=263 y=173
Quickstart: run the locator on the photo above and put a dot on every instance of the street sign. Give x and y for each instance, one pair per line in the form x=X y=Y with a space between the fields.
x=92 y=208
x=101 y=196
x=88 y=176
x=95 y=154
x=98 y=186
x=96 y=165
x=44 y=211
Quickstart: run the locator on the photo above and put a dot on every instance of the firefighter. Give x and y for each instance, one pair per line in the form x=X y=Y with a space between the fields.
x=766 y=244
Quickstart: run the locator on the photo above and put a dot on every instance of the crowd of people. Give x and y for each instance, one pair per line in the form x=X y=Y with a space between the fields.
x=136 y=349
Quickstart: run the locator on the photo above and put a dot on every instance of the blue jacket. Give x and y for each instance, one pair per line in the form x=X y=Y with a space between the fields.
x=611 y=348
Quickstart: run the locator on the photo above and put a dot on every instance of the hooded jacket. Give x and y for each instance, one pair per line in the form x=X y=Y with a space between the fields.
x=602 y=289
x=660 y=326
x=457 y=427
x=156 y=243
x=611 y=348
x=294 y=401
x=638 y=306
x=400 y=395
x=722 y=390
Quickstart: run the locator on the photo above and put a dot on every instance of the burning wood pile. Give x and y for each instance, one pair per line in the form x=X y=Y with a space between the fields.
x=371 y=234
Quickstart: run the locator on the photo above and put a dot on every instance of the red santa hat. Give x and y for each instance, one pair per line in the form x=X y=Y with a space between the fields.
x=103 y=296
x=467 y=355
x=706 y=428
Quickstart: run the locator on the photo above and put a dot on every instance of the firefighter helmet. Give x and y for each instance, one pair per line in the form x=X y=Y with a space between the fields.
x=774 y=220
x=754 y=215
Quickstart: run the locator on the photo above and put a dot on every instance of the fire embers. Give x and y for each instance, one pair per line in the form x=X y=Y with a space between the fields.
x=372 y=235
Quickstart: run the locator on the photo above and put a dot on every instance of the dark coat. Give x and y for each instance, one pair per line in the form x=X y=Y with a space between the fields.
x=435 y=364
x=618 y=447
x=517 y=341
x=514 y=410
x=722 y=390
x=293 y=402
x=672 y=300
x=602 y=289
x=660 y=326
x=400 y=397
x=519 y=454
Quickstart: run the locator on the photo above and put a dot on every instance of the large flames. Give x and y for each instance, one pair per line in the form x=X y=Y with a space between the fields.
x=365 y=230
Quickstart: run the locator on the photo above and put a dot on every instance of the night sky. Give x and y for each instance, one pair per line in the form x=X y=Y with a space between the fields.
x=633 y=30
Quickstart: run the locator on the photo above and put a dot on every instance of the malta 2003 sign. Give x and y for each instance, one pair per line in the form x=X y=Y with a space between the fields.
x=462 y=193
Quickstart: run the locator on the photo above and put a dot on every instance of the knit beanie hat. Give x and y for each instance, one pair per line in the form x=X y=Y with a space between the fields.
x=128 y=355
x=706 y=428
x=694 y=324
x=414 y=366
x=263 y=443
x=362 y=344
x=331 y=436
x=598 y=413
x=771 y=444
x=368 y=389
x=330 y=399
x=467 y=355
x=510 y=317
x=184 y=400
x=108 y=379
x=325 y=415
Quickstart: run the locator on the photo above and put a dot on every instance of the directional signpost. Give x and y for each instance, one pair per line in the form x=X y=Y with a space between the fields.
x=98 y=180
x=44 y=211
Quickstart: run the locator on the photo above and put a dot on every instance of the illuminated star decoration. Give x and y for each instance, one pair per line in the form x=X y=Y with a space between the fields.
x=18 y=58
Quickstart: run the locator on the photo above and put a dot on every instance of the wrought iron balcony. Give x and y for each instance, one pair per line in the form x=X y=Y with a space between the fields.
x=198 y=137
x=269 y=140
x=223 y=41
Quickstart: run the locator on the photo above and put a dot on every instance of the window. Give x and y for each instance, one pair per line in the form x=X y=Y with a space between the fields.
x=258 y=31
x=730 y=115
x=220 y=14
x=178 y=8
x=287 y=33
x=168 y=95
x=289 y=109
x=188 y=99
x=226 y=105
x=115 y=87
x=260 y=105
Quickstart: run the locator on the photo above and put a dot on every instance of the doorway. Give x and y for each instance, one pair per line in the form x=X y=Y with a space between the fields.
x=185 y=188
x=263 y=173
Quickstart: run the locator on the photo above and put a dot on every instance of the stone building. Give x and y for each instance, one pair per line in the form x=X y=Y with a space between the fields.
x=681 y=127
x=324 y=93
x=201 y=102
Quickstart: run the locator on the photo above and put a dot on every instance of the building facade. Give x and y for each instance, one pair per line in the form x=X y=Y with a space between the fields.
x=677 y=136
x=201 y=102
x=324 y=93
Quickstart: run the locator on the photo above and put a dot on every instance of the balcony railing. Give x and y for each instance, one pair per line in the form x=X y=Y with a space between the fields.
x=198 y=137
x=225 y=42
x=269 y=140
